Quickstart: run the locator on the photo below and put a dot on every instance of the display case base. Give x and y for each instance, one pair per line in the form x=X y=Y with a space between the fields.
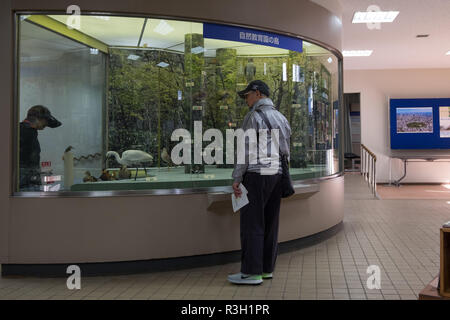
x=157 y=265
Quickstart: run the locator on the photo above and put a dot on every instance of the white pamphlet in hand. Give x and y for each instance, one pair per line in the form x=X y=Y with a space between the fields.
x=240 y=202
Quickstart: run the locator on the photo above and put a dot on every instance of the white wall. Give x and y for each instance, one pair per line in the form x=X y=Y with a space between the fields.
x=376 y=87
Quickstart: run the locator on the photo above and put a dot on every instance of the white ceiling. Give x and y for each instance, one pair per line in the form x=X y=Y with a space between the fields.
x=395 y=45
x=123 y=31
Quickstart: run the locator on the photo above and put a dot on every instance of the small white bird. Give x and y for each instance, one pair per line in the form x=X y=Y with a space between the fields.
x=131 y=157
x=89 y=178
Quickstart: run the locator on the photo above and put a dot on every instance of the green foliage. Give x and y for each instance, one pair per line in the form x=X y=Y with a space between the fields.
x=415 y=124
x=144 y=106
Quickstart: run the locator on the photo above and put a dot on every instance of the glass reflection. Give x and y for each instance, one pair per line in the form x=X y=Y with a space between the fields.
x=158 y=76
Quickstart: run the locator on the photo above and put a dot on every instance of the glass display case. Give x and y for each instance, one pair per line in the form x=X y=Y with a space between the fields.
x=121 y=86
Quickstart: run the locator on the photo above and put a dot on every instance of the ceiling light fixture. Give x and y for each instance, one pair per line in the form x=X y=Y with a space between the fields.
x=422 y=36
x=197 y=50
x=102 y=18
x=133 y=57
x=163 y=28
x=330 y=60
x=94 y=51
x=374 y=16
x=357 y=53
x=162 y=64
x=448 y=53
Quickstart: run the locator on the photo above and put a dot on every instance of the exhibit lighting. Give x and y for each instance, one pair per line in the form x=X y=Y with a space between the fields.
x=330 y=60
x=310 y=99
x=94 y=51
x=163 y=28
x=357 y=53
x=374 y=16
x=102 y=18
x=294 y=78
x=197 y=50
x=133 y=57
x=295 y=73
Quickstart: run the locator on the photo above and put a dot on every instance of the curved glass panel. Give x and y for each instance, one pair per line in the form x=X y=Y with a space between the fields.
x=124 y=87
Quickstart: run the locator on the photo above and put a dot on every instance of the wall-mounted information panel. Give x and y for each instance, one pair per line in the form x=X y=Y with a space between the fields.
x=420 y=123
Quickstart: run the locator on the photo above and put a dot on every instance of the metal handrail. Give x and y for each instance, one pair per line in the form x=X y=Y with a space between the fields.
x=368 y=168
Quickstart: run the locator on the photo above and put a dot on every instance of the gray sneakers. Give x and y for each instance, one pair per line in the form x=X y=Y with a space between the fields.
x=242 y=278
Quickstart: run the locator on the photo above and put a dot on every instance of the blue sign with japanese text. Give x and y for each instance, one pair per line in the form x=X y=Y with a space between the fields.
x=231 y=33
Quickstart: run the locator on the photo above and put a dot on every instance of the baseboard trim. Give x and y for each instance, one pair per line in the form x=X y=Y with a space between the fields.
x=157 y=265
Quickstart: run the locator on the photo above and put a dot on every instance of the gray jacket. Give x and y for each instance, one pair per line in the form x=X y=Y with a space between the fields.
x=254 y=120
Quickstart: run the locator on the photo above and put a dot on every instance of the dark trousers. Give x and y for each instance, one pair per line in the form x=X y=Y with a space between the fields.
x=259 y=223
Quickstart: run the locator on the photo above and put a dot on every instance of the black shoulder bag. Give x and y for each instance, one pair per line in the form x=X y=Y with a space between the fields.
x=287 y=189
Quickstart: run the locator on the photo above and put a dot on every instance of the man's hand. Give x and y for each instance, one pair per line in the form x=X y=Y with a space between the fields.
x=236 y=189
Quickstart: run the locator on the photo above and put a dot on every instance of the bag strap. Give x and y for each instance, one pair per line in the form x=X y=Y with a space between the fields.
x=264 y=117
x=267 y=122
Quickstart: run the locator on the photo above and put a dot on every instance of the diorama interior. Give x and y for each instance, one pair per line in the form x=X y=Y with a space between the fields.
x=126 y=83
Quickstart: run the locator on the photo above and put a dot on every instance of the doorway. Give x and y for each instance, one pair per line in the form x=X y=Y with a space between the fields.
x=352 y=131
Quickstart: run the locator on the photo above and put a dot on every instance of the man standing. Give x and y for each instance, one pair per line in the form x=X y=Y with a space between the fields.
x=38 y=117
x=259 y=218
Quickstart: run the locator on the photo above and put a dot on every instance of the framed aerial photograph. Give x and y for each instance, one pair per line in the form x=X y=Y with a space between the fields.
x=415 y=120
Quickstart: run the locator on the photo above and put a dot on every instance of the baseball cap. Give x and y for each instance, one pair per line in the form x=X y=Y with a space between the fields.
x=253 y=86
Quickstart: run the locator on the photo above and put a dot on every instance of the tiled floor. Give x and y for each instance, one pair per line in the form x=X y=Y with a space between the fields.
x=399 y=236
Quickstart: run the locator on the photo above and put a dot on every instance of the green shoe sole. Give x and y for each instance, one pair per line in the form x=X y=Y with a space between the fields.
x=240 y=278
